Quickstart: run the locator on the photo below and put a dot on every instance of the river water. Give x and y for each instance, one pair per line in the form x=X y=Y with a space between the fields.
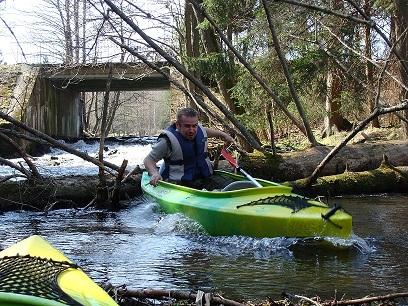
x=143 y=248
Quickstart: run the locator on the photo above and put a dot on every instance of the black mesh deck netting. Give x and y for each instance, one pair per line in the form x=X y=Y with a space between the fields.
x=34 y=276
x=295 y=203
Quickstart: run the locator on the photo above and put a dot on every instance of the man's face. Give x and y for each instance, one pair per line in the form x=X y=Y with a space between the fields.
x=187 y=126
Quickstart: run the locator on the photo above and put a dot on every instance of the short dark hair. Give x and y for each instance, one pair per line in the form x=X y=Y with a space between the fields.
x=186 y=111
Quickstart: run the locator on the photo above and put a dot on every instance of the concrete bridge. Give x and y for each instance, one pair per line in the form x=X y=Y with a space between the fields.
x=50 y=94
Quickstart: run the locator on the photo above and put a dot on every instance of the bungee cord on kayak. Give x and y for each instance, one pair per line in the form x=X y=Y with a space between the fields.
x=34 y=276
x=296 y=203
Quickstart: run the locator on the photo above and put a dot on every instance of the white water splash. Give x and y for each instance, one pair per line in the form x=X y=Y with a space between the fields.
x=61 y=163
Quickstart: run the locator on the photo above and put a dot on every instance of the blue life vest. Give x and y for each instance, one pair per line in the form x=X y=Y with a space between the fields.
x=189 y=158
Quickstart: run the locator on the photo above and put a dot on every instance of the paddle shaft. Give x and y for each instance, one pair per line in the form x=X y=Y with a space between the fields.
x=234 y=163
x=249 y=177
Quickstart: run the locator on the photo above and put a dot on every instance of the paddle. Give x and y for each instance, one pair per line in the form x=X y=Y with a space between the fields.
x=234 y=163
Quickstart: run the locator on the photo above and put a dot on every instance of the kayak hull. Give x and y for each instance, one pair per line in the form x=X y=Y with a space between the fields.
x=269 y=211
x=72 y=281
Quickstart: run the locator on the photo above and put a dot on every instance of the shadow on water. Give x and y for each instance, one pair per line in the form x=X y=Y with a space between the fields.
x=141 y=247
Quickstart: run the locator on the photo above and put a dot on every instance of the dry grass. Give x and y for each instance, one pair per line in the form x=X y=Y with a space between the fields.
x=297 y=141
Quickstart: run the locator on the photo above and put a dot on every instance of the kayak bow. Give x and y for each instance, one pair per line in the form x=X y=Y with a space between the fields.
x=34 y=273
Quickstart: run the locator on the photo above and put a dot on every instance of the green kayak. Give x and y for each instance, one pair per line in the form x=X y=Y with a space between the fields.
x=243 y=209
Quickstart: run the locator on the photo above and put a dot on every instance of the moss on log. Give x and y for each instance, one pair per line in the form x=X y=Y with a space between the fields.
x=385 y=179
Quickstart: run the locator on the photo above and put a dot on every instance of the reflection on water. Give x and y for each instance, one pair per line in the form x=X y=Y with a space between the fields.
x=141 y=247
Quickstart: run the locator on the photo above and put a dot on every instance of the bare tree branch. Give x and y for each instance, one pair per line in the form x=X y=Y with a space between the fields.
x=176 y=294
x=21 y=169
x=288 y=77
x=190 y=95
x=363 y=56
x=57 y=144
x=23 y=154
x=381 y=33
x=148 y=15
x=103 y=124
x=368 y=300
x=24 y=136
x=251 y=140
x=324 y=10
x=9 y=177
x=15 y=38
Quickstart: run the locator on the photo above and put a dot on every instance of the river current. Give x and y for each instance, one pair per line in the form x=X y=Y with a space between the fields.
x=142 y=248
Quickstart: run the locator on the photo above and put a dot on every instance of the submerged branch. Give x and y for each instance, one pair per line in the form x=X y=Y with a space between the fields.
x=19 y=168
x=161 y=294
x=366 y=300
x=34 y=172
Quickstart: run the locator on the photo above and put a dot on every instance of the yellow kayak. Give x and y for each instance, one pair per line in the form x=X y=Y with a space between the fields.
x=33 y=272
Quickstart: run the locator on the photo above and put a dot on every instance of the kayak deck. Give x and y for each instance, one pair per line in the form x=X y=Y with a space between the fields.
x=32 y=272
x=268 y=211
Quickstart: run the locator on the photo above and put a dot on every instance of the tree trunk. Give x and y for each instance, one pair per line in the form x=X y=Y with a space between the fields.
x=69 y=53
x=211 y=46
x=191 y=43
x=333 y=118
x=287 y=74
x=384 y=179
x=369 y=66
x=401 y=10
x=76 y=30
x=112 y=111
x=84 y=14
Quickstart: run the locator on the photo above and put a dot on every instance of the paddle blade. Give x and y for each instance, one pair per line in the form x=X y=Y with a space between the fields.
x=229 y=158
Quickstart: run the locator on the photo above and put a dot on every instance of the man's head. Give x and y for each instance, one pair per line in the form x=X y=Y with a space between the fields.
x=187 y=122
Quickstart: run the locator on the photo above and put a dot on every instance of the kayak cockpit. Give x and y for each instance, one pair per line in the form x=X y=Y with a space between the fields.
x=237 y=185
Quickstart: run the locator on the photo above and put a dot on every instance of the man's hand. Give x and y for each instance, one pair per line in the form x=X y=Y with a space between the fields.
x=227 y=139
x=151 y=168
x=155 y=178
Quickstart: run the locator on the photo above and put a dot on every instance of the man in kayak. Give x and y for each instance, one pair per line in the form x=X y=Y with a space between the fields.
x=183 y=146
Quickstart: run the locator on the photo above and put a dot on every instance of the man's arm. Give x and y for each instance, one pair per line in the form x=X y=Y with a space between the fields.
x=219 y=134
x=158 y=152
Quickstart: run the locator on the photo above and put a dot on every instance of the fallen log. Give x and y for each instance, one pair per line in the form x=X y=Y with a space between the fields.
x=385 y=179
x=297 y=165
x=200 y=298
x=58 y=192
